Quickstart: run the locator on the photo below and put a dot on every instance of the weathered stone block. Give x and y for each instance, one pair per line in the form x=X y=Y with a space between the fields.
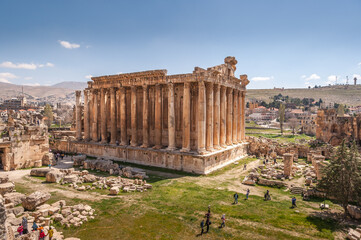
x=35 y=199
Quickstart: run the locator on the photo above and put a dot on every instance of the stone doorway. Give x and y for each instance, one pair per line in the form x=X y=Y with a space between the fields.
x=2 y=158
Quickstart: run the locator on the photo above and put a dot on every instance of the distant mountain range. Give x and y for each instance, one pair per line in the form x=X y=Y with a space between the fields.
x=71 y=85
x=65 y=92
x=60 y=92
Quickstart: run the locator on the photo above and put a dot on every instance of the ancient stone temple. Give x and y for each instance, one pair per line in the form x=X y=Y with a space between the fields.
x=191 y=122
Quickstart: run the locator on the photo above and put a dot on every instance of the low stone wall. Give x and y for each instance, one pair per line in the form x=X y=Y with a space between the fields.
x=2 y=219
x=188 y=162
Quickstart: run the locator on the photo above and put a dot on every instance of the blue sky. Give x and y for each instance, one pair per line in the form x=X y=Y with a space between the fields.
x=278 y=43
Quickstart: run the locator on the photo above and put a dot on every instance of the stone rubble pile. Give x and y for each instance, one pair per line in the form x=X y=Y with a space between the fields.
x=76 y=179
x=270 y=148
x=108 y=166
x=66 y=215
x=14 y=206
x=271 y=174
x=126 y=185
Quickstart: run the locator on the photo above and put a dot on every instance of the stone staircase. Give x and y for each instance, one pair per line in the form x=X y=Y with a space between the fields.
x=354 y=234
x=297 y=190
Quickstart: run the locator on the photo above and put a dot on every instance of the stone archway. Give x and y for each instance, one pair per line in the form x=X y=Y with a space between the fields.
x=2 y=158
x=334 y=129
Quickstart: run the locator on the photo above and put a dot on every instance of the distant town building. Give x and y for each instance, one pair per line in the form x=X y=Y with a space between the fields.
x=17 y=103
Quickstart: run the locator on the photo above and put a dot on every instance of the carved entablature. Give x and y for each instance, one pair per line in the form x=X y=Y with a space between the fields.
x=221 y=74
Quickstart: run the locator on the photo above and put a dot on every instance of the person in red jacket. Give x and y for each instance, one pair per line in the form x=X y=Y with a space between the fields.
x=20 y=229
x=42 y=235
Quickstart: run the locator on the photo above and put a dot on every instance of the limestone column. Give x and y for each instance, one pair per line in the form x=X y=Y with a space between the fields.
x=209 y=120
x=201 y=118
x=86 y=116
x=186 y=118
x=229 y=115
x=171 y=117
x=123 y=117
x=223 y=117
x=243 y=118
x=158 y=116
x=95 y=116
x=78 y=116
x=113 y=117
x=216 y=118
x=235 y=117
x=239 y=111
x=133 y=116
x=288 y=162
x=103 y=111
x=145 y=117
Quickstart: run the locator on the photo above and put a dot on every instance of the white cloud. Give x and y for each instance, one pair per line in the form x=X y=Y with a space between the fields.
x=68 y=45
x=262 y=78
x=312 y=77
x=332 y=79
x=46 y=65
x=88 y=76
x=29 y=66
x=4 y=77
x=359 y=64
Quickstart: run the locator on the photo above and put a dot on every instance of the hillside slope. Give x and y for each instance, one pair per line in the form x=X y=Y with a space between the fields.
x=349 y=95
x=71 y=85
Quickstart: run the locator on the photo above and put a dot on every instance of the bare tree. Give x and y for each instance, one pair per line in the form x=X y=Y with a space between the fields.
x=294 y=124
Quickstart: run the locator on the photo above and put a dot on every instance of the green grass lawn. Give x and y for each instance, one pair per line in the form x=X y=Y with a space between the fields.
x=284 y=138
x=174 y=209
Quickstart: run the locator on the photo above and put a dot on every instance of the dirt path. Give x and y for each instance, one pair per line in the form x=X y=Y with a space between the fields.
x=230 y=180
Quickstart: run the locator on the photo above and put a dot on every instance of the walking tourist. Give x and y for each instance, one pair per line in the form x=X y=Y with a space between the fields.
x=202 y=226
x=50 y=233
x=267 y=196
x=247 y=194
x=20 y=229
x=223 y=218
x=208 y=222
x=294 y=202
x=34 y=227
x=41 y=235
x=245 y=167
x=24 y=223
x=235 y=198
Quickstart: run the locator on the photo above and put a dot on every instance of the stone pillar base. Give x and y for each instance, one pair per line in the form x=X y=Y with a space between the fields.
x=185 y=150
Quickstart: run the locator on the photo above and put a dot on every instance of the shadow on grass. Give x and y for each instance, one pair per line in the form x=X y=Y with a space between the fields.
x=325 y=221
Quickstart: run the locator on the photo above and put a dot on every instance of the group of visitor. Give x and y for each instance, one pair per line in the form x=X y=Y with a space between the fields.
x=207 y=223
x=23 y=229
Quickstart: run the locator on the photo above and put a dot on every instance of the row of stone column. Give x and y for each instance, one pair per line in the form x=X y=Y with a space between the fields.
x=218 y=124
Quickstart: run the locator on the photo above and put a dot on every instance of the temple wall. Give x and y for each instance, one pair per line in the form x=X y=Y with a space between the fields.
x=188 y=162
